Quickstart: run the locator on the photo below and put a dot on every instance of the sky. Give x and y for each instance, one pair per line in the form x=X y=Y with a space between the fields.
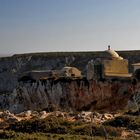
x=68 y=25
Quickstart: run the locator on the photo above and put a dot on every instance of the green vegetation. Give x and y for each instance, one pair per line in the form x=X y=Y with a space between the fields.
x=57 y=128
x=59 y=54
x=52 y=126
x=127 y=121
x=43 y=136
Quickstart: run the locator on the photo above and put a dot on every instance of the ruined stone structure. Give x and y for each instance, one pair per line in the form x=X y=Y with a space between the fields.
x=71 y=72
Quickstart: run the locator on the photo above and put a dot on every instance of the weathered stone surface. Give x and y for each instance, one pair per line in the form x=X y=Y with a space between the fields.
x=84 y=116
x=134 y=103
x=69 y=95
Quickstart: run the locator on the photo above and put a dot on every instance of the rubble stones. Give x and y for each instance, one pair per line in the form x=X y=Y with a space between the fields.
x=43 y=114
x=83 y=116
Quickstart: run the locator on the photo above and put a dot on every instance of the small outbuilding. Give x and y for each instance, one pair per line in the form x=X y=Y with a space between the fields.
x=136 y=66
x=136 y=71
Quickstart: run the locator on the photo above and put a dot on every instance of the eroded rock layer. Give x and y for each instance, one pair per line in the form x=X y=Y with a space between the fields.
x=68 y=94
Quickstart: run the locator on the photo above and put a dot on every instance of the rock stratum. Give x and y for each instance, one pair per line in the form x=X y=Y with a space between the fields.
x=68 y=95
x=65 y=94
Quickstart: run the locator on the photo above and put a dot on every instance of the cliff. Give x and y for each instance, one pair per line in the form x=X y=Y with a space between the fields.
x=68 y=94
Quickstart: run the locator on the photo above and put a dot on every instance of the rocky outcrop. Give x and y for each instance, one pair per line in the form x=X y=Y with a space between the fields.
x=134 y=101
x=88 y=117
x=68 y=94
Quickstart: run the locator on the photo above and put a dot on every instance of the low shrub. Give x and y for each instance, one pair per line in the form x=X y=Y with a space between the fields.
x=130 y=122
x=50 y=125
x=60 y=126
x=100 y=130
x=7 y=134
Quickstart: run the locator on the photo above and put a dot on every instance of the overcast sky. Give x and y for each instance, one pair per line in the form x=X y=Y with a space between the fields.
x=68 y=25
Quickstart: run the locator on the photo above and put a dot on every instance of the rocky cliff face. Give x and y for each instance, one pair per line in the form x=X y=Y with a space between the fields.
x=63 y=93
x=68 y=95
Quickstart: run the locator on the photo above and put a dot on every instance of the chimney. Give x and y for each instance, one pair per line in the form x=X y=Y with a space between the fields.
x=108 y=47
